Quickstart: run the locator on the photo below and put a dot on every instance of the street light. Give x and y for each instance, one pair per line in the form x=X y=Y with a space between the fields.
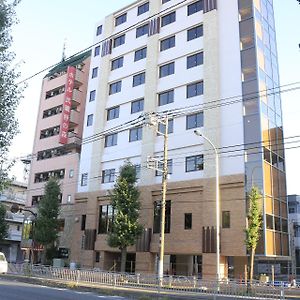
x=199 y=133
x=15 y=208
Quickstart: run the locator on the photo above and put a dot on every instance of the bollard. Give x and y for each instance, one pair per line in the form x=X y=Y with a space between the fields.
x=78 y=277
x=282 y=297
x=138 y=278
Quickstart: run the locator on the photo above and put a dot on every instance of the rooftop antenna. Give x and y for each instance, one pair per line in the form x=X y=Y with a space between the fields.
x=64 y=50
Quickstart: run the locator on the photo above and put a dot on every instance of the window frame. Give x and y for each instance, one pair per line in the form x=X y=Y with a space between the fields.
x=120 y=19
x=170 y=99
x=194 y=30
x=193 y=7
x=137 y=101
x=135 y=134
x=111 y=140
x=89 y=120
x=198 y=118
x=138 y=79
x=188 y=224
x=119 y=41
x=196 y=87
x=194 y=60
x=142 y=30
x=168 y=43
x=94 y=72
x=108 y=174
x=118 y=89
x=143 y=51
x=226 y=218
x=143 y=8
x=117 y=63
x=92 y=96
x=169 y=68
x=113 y=113
x=168 y=19
x=198 y=160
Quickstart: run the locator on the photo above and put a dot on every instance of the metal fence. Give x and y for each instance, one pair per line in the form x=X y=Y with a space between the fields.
x=170 y=284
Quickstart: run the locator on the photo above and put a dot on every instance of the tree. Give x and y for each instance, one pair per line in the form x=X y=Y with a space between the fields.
x=3 y=223
x=254 y=226
x=10 y=92
x=125 y=201
x=46 y=224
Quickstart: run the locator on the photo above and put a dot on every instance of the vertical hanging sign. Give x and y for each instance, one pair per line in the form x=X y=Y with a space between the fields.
x=65 y=120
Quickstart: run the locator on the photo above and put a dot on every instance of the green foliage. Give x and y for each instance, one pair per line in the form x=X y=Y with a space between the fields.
x=47 y=225
x=254 y=220
x=10 y=92
x=125 y=201
x=3 y=223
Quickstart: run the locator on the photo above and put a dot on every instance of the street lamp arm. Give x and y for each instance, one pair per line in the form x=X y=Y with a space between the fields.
x=199 y=133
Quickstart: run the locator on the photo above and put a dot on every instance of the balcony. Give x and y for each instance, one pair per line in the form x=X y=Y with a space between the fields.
x=17 y=198
x=73 y=142
x=14 y=235
x=74 y=118
x=76 y=97
x=79 y=77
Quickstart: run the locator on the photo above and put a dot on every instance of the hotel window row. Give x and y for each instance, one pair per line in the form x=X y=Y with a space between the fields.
x=165 y=20
x=136 y=134
x=192 y=164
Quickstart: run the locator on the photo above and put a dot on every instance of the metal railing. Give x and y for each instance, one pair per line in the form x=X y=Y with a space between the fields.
x=177 y=284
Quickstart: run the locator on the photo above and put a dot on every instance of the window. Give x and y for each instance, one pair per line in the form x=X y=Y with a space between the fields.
x=84 y=179
x=113 y=113
x=194 y=60
x=99 y=30
x=194 y=89
x=121 y=19
x=161 y=167
x=157 y=217
x=89 y=121
x=194 y=120
x=167 y=69
x=168 y=19
x=188 y=221
x=111 y=140
x=44 y=176
x=45 y=133
x=194 y=163
x=165 y=1
x=291 y=210
x=195 y=7
x=94 y=72
x=167 y=43
x=115 y=87
x=108 y=175
x=83 y=222
x=162 y=127
x=137 y=171
x=195 y=32
x=92 y=95
x=166 y=98
x=117 y=63
x=135 y=134
x=106 y=218
x=138 y=79
x=97 y=51
x=120 y=40
x=140 y=31
x=143 y=8
x=52 y=111
x=55 y=92
x=71 y=173
x=97 y=256
x=140 y=54
x=225 y=219
x=137 y=105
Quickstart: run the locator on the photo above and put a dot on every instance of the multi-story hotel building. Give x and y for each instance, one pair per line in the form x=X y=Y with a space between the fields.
x=57 y=143
x=210 y=65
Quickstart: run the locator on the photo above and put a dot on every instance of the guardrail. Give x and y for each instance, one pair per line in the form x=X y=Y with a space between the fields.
x=180 y=284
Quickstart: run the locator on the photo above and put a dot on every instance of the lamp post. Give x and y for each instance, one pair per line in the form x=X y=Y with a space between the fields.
x=16 y=208
x=199 y=133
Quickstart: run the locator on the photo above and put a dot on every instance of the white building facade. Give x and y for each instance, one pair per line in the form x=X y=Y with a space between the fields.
x=203 y=64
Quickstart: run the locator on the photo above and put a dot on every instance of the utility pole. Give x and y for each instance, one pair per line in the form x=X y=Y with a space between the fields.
x=153 y=164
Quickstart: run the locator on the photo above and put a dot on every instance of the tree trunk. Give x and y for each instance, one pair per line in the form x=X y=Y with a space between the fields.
x=252 y=264
x=123 y=259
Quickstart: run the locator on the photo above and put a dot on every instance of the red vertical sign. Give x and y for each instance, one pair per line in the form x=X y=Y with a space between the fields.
x=65 y=120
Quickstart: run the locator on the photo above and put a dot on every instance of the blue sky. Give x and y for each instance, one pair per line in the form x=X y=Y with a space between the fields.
x=44 y=25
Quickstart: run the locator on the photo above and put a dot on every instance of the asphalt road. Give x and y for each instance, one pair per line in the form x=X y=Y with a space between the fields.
x=13 y=290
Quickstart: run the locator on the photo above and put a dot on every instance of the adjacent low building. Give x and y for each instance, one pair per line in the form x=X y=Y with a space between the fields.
x=294 y=219
x=15 y=194
x=58 y=138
